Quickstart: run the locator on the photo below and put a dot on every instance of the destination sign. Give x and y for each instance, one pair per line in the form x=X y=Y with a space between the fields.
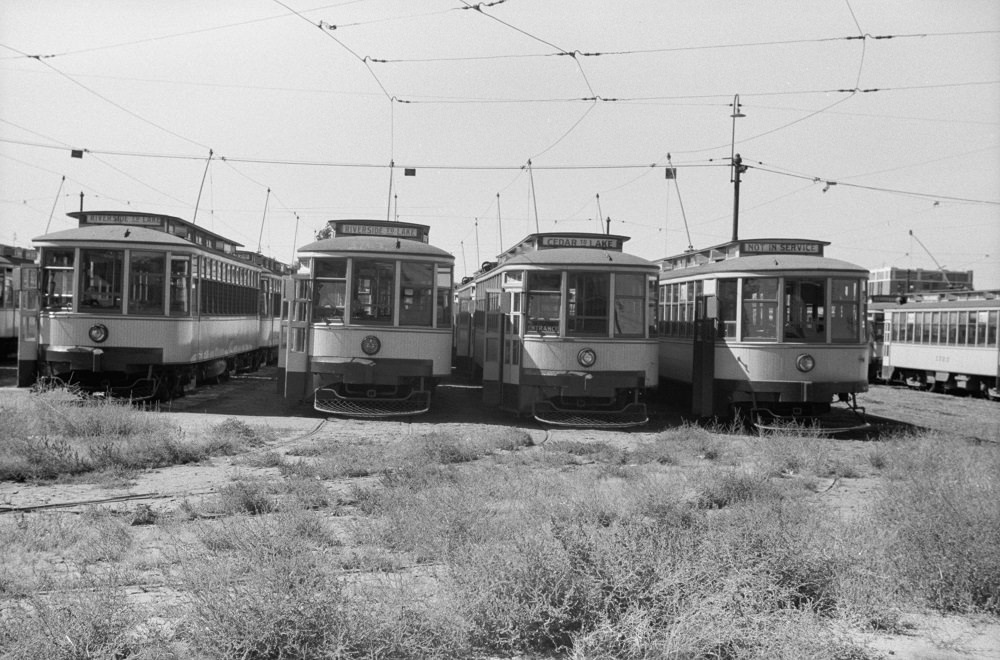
x=399 y=231
x=605 y=243
x=778 y=247
x=123 y=219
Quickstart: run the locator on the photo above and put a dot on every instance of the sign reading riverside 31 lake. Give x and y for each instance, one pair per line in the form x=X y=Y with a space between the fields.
x=381 y=230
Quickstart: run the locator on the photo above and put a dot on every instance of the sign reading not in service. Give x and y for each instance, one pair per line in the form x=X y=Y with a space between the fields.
x=781 y=247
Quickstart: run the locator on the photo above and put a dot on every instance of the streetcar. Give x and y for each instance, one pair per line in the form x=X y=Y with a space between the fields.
x=11 y=259
x=944 y=341
x=142 y=305
x=558 y=328
x=366 y=325
x=769 y=330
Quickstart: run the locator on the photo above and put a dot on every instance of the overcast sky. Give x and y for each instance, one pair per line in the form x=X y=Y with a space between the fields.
x=865 y=120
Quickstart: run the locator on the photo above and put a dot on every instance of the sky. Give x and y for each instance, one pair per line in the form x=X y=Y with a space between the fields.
x=871 y=124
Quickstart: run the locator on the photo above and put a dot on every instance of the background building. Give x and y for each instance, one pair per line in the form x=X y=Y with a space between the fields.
x=892 y=281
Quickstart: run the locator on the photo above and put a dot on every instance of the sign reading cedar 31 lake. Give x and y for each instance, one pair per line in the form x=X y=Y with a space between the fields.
x=580 y=241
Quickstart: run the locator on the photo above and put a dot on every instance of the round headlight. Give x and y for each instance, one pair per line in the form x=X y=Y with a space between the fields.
x=371 y=345
x=98 y=333
x=805 y=363
x=586 y=357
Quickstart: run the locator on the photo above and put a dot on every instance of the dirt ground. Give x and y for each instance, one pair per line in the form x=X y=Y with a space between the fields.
x=253 y=398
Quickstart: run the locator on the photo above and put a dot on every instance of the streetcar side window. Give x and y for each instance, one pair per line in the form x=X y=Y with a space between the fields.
x=760 y=308
x=57 y=280
x=845 y=310
x=330 y=292
x=101 y=279
x=444 y=296
x=7 y=292
x=963 y=324
x=146 y=280
x=629 y=305
x=180 y=276
x=991 y=329
x=416 y=294
x=651 y=293
x=373 y=291
x=587 y=304
x=544 y=293
x=981 y=318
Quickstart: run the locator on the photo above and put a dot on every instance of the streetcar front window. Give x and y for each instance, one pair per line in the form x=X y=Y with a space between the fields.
x=57 y=280
x=374 y=290
x=629 y=304
x=587 y=304
x=145 y=288
x=544 y=293
x=727 y=308
x=101 y=278
x=805 y=310
x=760 y=308
x=416 y=294
x=330 y=292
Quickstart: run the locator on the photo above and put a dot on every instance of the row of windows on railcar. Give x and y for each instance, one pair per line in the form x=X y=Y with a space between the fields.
x=948 y=327
x=590 y=306
x=793 y=309
x=153 y=288
x=7 y=298
x=424 y=291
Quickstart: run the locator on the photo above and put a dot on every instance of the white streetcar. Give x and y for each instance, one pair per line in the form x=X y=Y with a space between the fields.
x=367 y=321
x=765 y=328
x=142 y=305
x=559 y=328
x=944 y=341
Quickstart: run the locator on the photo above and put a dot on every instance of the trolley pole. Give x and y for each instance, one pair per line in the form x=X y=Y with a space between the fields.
x=738 y=169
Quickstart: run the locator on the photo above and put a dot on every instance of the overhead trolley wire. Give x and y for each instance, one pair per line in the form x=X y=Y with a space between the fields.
x=674 y=49
x=835 y=182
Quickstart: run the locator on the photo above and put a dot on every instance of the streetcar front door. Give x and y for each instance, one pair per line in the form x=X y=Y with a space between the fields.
x=26 y=320
x=703 y=362
x=294 y=379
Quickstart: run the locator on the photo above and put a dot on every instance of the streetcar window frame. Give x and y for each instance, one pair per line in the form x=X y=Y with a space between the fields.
x=58 y=294
x=759 y=309
x=146 y=285
x=102 y=280
x=629 y=305
x=330 y=290
x=416 y=294
x=543 y=296
x=588 y=302
x=804 y=310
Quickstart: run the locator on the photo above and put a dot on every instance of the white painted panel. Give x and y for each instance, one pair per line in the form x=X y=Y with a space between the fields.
x=777 y=362
x=970 y=360
x=397 y=343
x=612 y=355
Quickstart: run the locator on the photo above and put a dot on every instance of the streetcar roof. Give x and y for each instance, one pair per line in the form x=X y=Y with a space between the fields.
x=583 y=257
x=944 y=304
x=765 y=263
x=376 y=244
x=114 y=234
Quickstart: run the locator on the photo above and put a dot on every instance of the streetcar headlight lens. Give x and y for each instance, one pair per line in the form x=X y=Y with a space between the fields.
x=371 y=345
x=805 y=363
x=98 y=333
x=586 y=357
